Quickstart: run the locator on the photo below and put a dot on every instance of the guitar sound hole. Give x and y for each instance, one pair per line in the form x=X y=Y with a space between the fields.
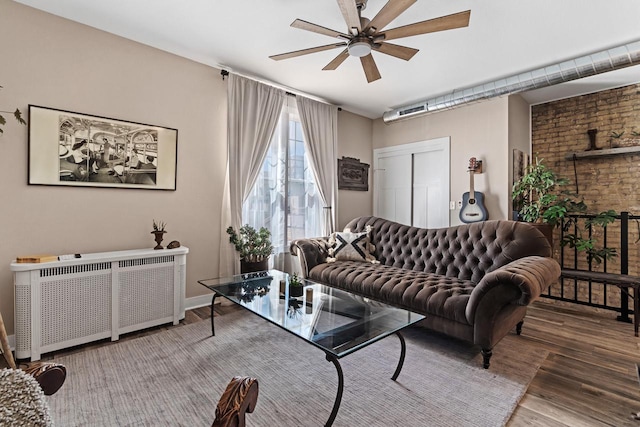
x=472 y=202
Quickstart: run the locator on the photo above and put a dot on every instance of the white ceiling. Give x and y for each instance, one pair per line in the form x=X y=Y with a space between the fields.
x=504 y=37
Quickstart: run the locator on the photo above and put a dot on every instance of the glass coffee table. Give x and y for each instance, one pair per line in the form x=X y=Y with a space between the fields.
x=336 y=321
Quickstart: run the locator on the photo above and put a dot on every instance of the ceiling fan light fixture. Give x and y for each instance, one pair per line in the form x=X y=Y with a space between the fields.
x=364 y=35
x=359 y=47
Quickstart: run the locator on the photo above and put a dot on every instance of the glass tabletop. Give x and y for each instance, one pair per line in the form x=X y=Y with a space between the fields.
x=337 y=321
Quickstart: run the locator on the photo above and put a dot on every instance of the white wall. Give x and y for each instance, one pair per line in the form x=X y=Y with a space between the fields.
x=53 y=62
x=477 y=130
x=519 y=133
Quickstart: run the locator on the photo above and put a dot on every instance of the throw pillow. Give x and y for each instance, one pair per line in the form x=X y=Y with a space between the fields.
x=348 y=246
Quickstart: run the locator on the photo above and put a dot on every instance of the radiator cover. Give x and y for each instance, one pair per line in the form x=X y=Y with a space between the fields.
x=61 y=304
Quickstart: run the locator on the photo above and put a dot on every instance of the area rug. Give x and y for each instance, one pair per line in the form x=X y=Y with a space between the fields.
x=175 y=378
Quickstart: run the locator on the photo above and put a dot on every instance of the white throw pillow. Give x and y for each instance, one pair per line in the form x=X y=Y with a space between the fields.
x=348 y=246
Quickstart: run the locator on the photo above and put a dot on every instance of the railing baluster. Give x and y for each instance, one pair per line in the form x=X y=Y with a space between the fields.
x=624 y=264
x=623 y=258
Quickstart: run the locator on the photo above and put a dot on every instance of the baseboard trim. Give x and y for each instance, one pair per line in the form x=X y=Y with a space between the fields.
x=197 y=302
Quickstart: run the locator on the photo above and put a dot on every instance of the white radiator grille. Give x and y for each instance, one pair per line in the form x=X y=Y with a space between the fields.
x=71 y=302
x=145 y=295
x=23 y=319
x=75 y=307
x=74 y=269
x=145 y=261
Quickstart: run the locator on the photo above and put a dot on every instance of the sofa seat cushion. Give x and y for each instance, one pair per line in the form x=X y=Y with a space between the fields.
x=425 y=293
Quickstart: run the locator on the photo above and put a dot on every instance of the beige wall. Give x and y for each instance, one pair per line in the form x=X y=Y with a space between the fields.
x=354 y=140
x=57 y=63
x=477 y=130
x=53 y=62
x=519 y=136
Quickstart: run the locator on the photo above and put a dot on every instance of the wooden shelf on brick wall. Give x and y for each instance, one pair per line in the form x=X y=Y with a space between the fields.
x=602 y=153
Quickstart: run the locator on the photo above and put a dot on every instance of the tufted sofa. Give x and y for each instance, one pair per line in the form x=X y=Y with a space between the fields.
x=473 y=281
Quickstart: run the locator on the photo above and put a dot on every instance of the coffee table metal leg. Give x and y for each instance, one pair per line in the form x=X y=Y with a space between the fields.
x=213 y=300
x=401 y=361
x=336 y=404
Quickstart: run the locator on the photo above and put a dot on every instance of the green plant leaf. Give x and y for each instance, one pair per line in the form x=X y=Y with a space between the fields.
x=616 y=135
x=18 y=115
x=252 y=245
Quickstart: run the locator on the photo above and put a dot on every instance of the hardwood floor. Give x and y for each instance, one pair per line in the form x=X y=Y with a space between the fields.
x=588 y=379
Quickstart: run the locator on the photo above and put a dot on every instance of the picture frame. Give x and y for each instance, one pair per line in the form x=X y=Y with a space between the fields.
x=352 y=174
x=68 y=148
x=520 y=163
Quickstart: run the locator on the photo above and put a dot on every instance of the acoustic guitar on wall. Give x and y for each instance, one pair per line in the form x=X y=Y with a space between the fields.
x=473 y=209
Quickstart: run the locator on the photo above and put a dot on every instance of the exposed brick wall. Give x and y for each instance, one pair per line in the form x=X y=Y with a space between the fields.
x=560 y=127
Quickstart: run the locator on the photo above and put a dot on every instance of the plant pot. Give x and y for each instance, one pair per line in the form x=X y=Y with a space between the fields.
x=159 y=236
x=295 y=291
x=250 y=267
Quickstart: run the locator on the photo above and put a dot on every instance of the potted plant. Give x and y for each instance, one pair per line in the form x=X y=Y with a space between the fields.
x=534 y=193
x=158 y=231
x=295 y=286
x=253 y=246
x=539 y=199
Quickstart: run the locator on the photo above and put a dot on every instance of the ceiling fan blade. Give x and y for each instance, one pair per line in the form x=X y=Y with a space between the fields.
x=350 y=13
x=370 y=68
x=401 y=52
x=306 y=51
x=337 y=60
x=389 y=12
x=457 y=20
x=304 y=25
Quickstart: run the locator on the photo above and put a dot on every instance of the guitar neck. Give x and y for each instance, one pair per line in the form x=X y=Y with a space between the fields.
x=472 y=191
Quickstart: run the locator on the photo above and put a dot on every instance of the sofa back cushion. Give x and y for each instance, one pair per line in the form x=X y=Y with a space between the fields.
x=466 y=252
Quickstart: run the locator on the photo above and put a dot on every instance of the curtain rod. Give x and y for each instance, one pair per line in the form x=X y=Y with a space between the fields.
x=224 y=73
x=294 y=95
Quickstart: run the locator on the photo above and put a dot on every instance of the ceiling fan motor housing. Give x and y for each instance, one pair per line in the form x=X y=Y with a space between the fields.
x=359 y=46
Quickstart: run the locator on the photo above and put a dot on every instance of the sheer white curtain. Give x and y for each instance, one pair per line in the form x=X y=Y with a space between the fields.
x=253 y=113
x=320 y=126
x=285 y=197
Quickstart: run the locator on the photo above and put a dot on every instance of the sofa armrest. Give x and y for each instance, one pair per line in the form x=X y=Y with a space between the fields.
x=531 y=275
x=312 y=252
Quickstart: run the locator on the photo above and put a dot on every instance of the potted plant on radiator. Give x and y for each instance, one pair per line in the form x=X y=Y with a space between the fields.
x=253 y=246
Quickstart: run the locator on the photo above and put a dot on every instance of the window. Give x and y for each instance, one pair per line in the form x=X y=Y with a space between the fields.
x=284 y=198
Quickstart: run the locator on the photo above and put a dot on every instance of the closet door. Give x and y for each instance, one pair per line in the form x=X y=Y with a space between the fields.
x=392 y=186
x=411 y=183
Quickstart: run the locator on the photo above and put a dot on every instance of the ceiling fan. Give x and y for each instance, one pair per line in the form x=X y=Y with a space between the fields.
x=365 y=35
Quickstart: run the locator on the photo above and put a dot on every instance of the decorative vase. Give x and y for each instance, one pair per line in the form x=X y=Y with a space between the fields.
x=159 y=236
x=295 y=291
x=249 y=267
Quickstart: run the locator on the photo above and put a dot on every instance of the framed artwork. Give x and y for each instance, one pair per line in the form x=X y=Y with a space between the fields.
x=79 y=150
x=353 y=175
x=520 y=163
